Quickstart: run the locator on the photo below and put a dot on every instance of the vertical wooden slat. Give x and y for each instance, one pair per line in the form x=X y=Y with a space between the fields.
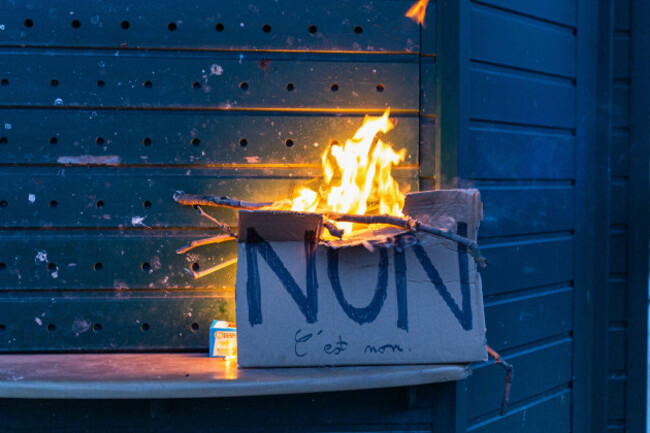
x=639 y=215
x=452 y=91
x=593 y=141
x=452 y=66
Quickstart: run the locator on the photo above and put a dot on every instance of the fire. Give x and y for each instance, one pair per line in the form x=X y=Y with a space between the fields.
x=357 y=176
x=417 y=11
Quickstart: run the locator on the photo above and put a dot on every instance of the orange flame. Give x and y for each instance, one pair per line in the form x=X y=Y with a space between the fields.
x=357 y=176
x=417 y=11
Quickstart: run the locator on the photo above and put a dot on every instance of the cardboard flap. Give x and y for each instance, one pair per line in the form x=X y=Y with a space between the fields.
x=279 y=226
x=445 y=208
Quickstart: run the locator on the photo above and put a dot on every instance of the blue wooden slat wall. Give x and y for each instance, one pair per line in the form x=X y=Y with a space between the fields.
x=517 y=145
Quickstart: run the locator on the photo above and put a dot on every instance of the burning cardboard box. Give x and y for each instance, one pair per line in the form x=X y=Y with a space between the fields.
x=379 y=296
x=401 y=289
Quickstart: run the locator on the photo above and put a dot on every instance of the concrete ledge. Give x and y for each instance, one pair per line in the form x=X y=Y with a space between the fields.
x=191 y=375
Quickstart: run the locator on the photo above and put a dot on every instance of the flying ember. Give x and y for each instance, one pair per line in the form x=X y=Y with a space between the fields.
x=418 y=11
x=357 y=176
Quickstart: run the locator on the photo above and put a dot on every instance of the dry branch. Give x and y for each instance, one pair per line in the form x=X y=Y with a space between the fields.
x=223 y=201
x=334 y=231
x=205 y=241
x=403 y=222
x=219 y=224
x=413 y=225
x=510 y=371
x=212 y=269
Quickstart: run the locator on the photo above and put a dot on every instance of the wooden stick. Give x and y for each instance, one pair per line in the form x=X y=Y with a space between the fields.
x=223 y=201
x=333 y=230
x=413 y=225
x=471 y=245
x=216 y=268
x=219 y=224
x=405 y=223
x=510 y=371
x=205 y=241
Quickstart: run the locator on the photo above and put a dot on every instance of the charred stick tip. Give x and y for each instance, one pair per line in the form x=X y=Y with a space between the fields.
x=333 y=230
x=510 y=372
x=177 y=195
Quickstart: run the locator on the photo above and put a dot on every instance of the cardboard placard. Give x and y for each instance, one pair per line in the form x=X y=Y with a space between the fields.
x=413 y=300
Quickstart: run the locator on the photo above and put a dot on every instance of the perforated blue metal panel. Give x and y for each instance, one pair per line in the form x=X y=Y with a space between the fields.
x=108 y=108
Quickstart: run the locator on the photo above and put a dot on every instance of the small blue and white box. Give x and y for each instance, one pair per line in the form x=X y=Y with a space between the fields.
x=223 y=340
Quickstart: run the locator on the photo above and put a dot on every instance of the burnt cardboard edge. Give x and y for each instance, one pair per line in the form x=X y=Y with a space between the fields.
x=278 y=226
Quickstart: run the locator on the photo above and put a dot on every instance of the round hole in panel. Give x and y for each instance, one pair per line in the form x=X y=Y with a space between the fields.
x=147 y=84
x=145 y=327
x=171 y=27
x=100 y=83
x=4 y=82
x=219 y=27
x=4 y=140
x=145 y=267
x=146 y=204
x=288 y=142
x=313 y=29
x=358 y=30
x=3 y=327
x=54 y=83
x=266 y=28
x=243 y=142
x=53 y=140
x=51 y=266
x=196 y=85
x=98 y=266
x=146 y=141
x=195 y=141
x=99 y=204
x=75 y=24
x=195 y=267
x=3 y=204
x=125 y=25
x=194 y=327
x=53 y=203
x=334 y=87
x=51 y=327
x=97 y=327
x=380 y=87
x=290 y=87
x=3 y=266
x=29 y=23
x=99 y=140
x=243 y=85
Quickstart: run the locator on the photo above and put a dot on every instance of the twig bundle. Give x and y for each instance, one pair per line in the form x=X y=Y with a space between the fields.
x=403 y=222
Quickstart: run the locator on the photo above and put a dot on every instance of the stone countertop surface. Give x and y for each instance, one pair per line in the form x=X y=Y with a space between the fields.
x=193 y=375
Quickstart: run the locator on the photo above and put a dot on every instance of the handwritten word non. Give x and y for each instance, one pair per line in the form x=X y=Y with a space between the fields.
x=307 y=301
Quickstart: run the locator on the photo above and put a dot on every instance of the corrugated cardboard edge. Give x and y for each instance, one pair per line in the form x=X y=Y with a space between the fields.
x=279 y=226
